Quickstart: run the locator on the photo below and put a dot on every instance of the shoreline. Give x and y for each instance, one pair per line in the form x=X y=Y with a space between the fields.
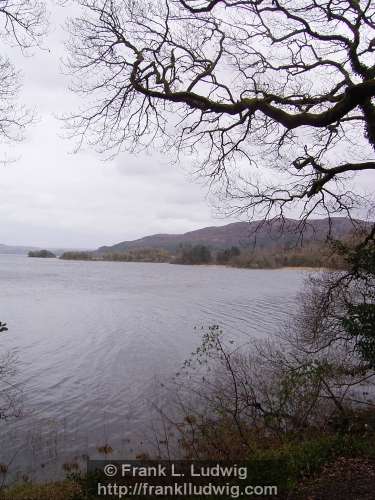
x=283 y=268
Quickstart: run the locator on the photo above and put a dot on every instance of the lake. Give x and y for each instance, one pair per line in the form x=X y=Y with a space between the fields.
x=94 y=340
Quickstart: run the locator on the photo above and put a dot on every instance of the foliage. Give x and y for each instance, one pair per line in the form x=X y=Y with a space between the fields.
x=196 y=254
x=41 y=253
x=271 y=401
x=359 y=316
x=299 y=461
x=308 y=255
x=77 y=256
x=312 y=255
x=67 y=490
x=10 y=393
x=224 y=256
x=138 y=255
x=234 y=400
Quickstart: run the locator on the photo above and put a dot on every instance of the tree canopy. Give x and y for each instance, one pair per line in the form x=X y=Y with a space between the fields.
x=286 y=85
x=22 y=24
x=359 y=312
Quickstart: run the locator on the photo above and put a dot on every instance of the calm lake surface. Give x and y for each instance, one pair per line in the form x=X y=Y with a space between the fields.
x=95 y=339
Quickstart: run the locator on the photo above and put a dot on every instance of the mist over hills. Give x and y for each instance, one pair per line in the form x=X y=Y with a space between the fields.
x=24 y=250
x=265 y=235
x=15 y=250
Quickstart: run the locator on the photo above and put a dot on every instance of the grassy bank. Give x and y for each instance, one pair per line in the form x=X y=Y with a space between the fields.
x=316 y=467
x=65 y=490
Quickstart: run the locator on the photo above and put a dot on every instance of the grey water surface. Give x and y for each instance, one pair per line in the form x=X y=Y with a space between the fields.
x=95 y=339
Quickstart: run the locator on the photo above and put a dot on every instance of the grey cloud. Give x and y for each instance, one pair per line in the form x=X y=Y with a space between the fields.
x=51 y=197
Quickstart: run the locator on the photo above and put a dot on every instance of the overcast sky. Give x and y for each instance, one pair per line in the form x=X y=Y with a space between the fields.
x=52 y=197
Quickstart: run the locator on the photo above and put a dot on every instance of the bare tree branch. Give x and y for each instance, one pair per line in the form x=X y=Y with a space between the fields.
x=22 y=25
x=288 y=86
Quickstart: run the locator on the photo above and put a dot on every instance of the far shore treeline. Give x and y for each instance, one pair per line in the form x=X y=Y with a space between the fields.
x=312 y=255
x=41 y=254
x=279 y=243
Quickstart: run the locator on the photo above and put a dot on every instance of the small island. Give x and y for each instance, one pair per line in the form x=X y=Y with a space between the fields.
x=44 y=254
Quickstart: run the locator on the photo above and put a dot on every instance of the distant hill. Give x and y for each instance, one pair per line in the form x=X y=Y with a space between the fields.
x=266 y=235
x=16 y=250
x=23 y=250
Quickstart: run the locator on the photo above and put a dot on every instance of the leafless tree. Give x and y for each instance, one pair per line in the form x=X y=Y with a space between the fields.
x=22 y=25
x=228 y=399
x=10 y=393
x=287 y=85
